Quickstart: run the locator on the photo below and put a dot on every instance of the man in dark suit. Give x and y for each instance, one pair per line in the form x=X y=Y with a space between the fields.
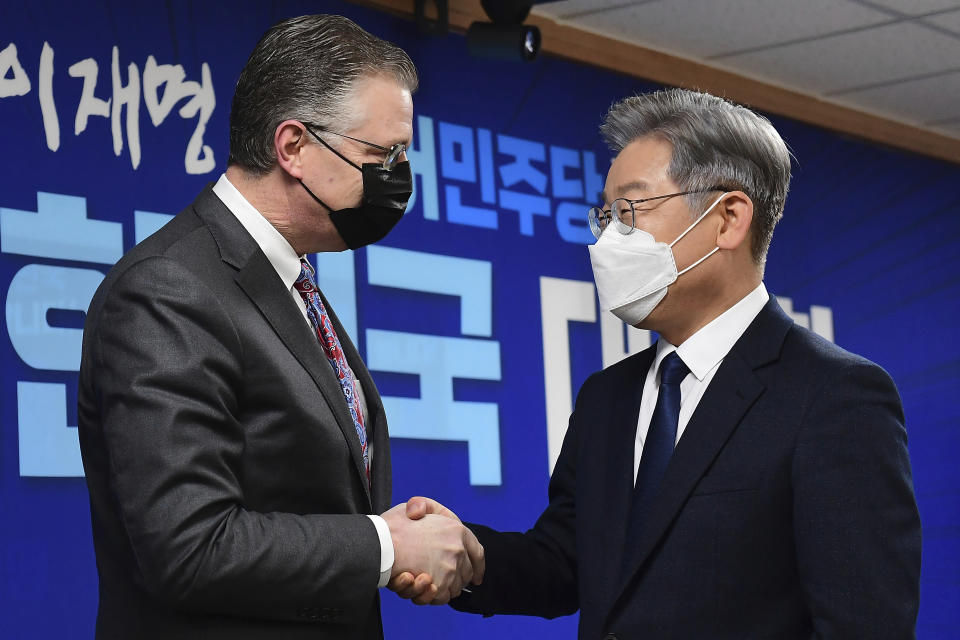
x=235 y=447
x=741 y=478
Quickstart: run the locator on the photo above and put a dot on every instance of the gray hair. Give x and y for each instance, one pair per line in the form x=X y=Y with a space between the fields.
x=715 y=144
x=306 y=69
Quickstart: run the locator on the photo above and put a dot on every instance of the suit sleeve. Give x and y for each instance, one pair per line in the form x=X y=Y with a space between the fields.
x=168 y=370
x=856 y=523
x=534 y=573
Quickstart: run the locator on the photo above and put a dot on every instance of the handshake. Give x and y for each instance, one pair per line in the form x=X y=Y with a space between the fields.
x=435 y=556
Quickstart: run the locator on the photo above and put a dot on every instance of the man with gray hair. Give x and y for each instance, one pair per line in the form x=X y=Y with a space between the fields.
x=235 y=447
x=742 y=477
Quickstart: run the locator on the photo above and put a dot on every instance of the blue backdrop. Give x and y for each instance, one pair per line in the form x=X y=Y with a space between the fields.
x=477 y=315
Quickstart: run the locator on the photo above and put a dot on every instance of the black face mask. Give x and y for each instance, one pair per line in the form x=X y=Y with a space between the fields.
x=385 y=196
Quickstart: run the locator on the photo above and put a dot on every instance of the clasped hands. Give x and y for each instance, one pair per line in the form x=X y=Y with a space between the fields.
x=435 y=556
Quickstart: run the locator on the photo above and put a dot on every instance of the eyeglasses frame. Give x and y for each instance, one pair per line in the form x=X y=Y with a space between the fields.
x=393 y=153
x=594 y=220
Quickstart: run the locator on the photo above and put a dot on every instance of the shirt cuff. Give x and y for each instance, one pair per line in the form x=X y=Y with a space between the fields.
x=386 y=549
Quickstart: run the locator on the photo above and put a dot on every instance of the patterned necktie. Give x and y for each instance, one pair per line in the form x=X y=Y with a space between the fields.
x=658 y=446
x=323 y=327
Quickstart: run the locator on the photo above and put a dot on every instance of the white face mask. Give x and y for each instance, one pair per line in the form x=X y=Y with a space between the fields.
x=633 y=271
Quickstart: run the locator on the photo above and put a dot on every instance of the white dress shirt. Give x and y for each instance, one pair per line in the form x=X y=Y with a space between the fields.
x=702 y=353
x=286 y=262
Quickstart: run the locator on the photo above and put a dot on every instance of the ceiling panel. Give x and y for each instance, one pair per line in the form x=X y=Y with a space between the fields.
x=949 y=21
x=893 y=52
x=914 y=7
x=930 y=99
x=574 y=8
x=896 y=58
x=706 y=28
x=951 y=129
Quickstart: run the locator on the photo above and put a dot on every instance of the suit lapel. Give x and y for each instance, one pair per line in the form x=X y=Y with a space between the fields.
x=733 y=390
x=259 y=280
x=276 y=305
x=380 y=468
x=619 y=450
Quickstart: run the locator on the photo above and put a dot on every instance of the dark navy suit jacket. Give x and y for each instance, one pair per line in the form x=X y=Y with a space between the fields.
x=787 y=510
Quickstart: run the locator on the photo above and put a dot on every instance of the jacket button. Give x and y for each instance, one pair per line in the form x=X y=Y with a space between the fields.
x=309 y=613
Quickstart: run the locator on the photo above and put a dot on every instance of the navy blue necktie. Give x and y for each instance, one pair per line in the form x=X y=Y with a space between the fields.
x=658 y=445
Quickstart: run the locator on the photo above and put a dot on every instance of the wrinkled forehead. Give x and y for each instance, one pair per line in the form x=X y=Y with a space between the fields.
x=641 y=168
x=382 y=109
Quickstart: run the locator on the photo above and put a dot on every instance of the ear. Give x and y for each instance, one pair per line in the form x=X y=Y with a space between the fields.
x=736 y=210
x=289 y=140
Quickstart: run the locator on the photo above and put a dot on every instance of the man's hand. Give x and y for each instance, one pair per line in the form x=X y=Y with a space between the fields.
x=419 y=590
x=430 y=543
x=419 y=585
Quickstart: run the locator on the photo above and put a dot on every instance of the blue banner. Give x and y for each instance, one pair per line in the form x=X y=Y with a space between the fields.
x=477 y=315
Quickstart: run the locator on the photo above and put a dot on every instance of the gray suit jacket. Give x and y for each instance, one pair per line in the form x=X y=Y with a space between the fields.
x=227 y=489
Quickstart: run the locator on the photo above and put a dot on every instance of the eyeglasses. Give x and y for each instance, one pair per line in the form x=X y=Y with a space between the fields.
x=389 y=162
x=622 y=210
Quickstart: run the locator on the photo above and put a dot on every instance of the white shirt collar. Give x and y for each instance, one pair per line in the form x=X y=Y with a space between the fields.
x=704 y=349
x=281 y=255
